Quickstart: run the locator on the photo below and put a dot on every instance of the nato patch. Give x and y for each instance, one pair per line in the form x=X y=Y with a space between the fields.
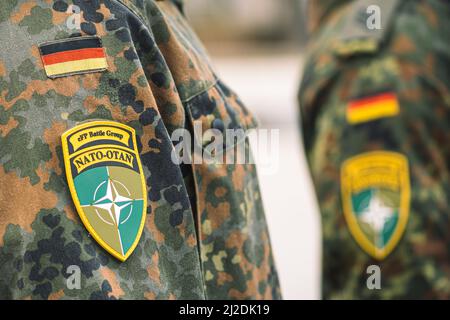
x=107 y=184
x=375 y=190
x=73 y=56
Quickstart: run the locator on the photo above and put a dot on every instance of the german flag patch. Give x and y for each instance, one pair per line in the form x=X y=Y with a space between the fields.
x=372 y=108
x=73 y=56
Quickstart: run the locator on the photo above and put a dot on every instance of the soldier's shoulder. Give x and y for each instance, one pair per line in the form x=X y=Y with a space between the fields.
x=359 y=27
x=406 y=33
x=365 y=27
x=146 y=8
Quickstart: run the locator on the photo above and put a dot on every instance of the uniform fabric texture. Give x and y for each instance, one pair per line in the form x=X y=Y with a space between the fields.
x=205 y=234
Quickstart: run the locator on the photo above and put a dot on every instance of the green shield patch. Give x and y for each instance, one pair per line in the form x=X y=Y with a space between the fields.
x=107 y=185
x=375 y=195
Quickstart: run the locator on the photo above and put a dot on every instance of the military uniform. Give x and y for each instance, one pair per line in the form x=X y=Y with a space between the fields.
x=375 y=115
x=205 y=234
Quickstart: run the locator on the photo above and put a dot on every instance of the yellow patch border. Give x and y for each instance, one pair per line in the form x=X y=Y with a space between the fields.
x=405 y=194
x=74 y=195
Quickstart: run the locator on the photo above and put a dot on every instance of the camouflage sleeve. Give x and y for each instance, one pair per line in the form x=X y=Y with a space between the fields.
x=319 y=11
x=205 y=235
x=375 y=122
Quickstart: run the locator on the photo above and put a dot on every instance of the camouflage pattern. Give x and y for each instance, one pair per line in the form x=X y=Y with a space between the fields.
x=409 y=57
x=205 y=233
x=318 y=11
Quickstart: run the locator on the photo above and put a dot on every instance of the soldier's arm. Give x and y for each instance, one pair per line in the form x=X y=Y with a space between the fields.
x=135 y=63
x=375 y=120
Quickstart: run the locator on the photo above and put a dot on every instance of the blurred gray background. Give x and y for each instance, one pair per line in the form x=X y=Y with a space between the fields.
x=257 y=48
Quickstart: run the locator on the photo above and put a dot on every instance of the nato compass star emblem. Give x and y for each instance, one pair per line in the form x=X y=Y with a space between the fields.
x=113 y=202
x=376 y=216
x=107 y=185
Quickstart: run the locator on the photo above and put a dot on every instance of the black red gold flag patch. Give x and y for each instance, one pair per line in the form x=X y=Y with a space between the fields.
x=73 y=56
x=372 y=108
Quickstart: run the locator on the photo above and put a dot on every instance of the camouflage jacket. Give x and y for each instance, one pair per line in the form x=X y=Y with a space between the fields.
x=205 y=234
x=375 y=115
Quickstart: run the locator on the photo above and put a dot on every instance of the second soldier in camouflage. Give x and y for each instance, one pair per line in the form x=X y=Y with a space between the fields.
x=375 y=106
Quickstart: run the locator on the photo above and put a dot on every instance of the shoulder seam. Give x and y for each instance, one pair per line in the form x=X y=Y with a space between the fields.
x=133 y=9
